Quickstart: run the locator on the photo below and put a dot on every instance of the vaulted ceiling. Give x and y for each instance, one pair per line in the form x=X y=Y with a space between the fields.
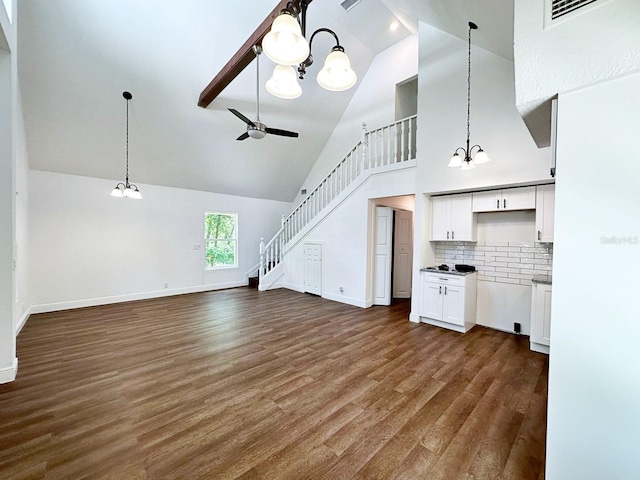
x=77 y=57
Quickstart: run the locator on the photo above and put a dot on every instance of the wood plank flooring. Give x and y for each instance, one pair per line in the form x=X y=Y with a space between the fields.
x=268 y=385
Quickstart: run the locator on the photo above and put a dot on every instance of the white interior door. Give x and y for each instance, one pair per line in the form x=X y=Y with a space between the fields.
x=313 y=268
x=382 y=266
x=402 y=254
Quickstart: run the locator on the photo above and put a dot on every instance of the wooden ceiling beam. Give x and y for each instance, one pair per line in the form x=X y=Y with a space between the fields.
x=243 y=57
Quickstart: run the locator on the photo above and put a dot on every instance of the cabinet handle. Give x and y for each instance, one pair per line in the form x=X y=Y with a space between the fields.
x=440 y=291
x=497 y=203
x=447 y=234
x=452 y=235
x=445 y=289
x=539 y=235
x=505 y=203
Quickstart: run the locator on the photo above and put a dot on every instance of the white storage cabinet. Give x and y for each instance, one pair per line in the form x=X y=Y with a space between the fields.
x=521 y=198
x=540 y=338
x=448 y=300
x=545 y=208
x=453 y=219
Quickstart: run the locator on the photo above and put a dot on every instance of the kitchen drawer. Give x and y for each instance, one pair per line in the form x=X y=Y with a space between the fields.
x=444 y=279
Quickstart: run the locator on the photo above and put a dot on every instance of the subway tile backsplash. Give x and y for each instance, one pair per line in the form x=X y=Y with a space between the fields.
x=504 y=262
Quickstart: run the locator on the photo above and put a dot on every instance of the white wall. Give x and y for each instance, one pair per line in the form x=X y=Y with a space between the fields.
x=373 y=103
x=9 y=130
x=596 y=44
x=21 y=244
x=87 y=247
x=346 y=239
x=495 y=122
x=594 y=381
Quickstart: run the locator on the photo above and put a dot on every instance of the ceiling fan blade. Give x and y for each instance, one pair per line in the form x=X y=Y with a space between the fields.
x=244 y=136
x=242 y=117
x=282 y=133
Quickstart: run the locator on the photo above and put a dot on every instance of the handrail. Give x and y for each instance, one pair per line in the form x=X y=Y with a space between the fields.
x=391 y=144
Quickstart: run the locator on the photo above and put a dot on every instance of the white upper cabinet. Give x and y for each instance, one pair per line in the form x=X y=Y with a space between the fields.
x=453 y=219
x=545 y=206
x=522 y=198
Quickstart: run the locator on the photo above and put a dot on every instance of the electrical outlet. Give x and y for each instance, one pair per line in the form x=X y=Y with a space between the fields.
x=166 y=285
x=197 y=247
x=517 y=327
x=341 y=289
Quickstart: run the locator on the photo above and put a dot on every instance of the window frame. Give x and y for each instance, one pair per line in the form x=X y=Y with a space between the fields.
x=235 y=240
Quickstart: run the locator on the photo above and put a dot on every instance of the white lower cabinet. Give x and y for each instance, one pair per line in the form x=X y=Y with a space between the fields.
x=540 y=338
x=448 y=300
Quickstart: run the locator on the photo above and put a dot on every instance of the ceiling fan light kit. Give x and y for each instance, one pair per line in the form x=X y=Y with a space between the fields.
x=462 y=158
x=286 y=45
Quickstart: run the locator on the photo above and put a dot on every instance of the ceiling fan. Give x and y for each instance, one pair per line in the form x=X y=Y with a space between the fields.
x=257 y=129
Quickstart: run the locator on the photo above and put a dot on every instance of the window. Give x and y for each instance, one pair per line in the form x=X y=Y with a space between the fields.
x=221 y=240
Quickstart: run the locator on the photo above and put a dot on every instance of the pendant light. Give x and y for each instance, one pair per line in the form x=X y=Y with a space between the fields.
x=286 y=45
x=127 y=189
x=464 y=160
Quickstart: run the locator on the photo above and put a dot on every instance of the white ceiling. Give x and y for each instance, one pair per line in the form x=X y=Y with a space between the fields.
x=77 y=57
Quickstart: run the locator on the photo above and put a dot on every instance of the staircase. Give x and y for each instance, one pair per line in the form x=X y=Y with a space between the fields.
x=380 y=149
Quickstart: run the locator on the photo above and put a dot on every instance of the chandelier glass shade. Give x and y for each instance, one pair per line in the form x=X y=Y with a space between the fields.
x=336 y=75
x=284 y=83
x=285 y=44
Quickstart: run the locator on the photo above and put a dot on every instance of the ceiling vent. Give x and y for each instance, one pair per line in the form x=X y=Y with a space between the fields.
x=557 y=11
x=563 y=7
x=349 y=4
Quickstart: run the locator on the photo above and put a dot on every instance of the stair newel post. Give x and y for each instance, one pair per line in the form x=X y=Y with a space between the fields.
x=363 y=143
x=262 y=272
x=403 y=139
x=410 y=133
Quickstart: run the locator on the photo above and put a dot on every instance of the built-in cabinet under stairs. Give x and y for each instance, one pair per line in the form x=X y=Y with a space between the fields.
x=378 y=150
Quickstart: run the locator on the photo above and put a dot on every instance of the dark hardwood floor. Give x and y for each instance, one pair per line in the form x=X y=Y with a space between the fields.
x=268 y=385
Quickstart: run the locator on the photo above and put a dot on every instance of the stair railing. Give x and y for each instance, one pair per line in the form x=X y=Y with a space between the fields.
x=389 y=145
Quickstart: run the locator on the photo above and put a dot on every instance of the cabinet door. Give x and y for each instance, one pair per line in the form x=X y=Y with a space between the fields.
x=545 y=207
x=523 y=198
x=431 y=300
x=453 y=305
x=487 y=201
x=440 y=218
x=462 y=225
x=541 y=315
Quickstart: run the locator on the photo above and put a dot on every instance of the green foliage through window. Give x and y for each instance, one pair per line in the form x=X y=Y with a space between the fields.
x=221 y=243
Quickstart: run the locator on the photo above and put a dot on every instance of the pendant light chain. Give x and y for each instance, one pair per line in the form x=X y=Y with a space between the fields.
x=463 y=156
x=469 y=92
x=127 y=148
x=126 y=189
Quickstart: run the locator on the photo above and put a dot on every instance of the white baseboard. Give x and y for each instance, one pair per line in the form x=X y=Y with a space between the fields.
x=8 y=374
x=538 y=347
x=343 y=299
x=414 y=317
x=93 y=302
x=292 y=286
x=23 y=320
